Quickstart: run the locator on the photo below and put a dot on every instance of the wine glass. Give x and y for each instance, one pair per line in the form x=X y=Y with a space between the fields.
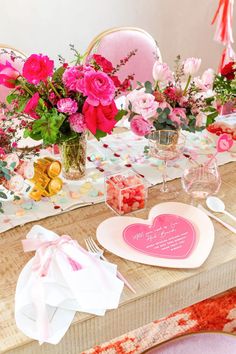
x=166 y=145
x=201 y=178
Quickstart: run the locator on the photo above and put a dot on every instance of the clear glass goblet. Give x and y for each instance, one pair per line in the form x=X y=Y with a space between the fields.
x=166 y=145
x=201 y=178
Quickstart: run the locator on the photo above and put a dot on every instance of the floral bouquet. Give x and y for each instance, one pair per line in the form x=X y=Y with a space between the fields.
x=225 y=88
x=173 y=101
x=58 y=106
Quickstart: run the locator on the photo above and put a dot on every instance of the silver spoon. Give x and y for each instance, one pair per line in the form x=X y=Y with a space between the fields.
x=217 y=205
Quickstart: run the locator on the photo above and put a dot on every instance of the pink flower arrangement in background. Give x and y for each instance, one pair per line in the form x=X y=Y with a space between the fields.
x=174 y=100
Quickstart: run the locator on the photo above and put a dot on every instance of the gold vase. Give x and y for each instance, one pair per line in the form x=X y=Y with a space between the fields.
x=73 y=157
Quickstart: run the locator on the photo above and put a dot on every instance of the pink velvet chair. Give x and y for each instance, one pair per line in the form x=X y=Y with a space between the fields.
x=16 y=59
x=114 y=44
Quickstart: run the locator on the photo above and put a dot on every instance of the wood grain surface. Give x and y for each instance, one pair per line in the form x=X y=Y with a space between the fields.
x=160 y=291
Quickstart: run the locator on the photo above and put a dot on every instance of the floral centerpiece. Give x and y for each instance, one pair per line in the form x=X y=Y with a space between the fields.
x=173 y=101
x=225 y=88
x=58 y=106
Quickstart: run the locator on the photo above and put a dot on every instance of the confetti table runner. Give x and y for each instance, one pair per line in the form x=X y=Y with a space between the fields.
x=113 y=153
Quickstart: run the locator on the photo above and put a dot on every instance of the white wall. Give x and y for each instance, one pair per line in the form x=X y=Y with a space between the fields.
x=48 y=26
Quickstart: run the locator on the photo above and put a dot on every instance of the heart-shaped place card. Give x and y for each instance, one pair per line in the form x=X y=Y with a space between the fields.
x=169 y=236
x=175 y=235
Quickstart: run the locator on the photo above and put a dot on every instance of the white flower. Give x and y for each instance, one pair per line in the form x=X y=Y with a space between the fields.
x=161 y=72
x=191 y=66
x=205 y=83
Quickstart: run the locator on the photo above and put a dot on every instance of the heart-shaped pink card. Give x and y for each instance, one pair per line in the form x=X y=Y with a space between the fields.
x=169 y=236
x=186 y=244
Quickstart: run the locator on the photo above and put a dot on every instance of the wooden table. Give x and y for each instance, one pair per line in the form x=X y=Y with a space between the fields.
x=159 y=291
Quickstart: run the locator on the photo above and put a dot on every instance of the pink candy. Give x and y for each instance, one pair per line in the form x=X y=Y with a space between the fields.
x=125 y=193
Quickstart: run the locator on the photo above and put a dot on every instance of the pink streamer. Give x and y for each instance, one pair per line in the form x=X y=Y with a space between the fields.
x=224 y=30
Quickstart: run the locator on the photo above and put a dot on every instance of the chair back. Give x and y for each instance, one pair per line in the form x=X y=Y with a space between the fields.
x=115 y=44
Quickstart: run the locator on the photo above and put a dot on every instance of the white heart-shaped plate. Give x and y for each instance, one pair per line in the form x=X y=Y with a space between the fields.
x=110 y=236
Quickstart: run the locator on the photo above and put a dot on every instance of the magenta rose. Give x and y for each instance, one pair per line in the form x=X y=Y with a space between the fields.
x=100 y=117
x=8 y=75
x=99 y=88
x=140 y=126
x=31 y=106
x=67 y=105
x=73 y=78
x=37 y=68
x=77 y=122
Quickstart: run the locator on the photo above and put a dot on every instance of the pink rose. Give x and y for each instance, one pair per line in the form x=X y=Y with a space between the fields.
x=67 y=105
x=191 y=66
x=73 y=78
x=140 y=126
x=161 y=72
x=145 y=105
x=100 y=117
x=131 y=97
x=8 y=75
x=31 y=106
x=178 y=116
x=77 y=122
x=206 y=81
x=37 y=68
x=99 y=88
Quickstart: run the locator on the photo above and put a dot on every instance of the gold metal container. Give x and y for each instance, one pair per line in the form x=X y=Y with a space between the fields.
x=49 y=166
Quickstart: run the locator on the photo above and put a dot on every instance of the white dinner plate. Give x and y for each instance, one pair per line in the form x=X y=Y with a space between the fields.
x=110 y=236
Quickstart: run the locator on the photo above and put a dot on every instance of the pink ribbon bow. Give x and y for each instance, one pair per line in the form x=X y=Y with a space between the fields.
x=42 y=261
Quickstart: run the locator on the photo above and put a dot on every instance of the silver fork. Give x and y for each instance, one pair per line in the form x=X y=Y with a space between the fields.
x=94 y=248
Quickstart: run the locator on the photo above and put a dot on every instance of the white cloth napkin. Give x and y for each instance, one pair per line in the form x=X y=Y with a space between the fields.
x=59 y=280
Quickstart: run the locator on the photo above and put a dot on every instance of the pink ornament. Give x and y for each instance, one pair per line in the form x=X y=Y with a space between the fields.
x=224 y=143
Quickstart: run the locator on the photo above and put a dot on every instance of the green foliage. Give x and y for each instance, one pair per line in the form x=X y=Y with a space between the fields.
x=100 y=134
x=57 y=76
x=5 y=171
x=225 y=89
x=3 y=195
x=120 y=114
x=163 y=121
x=148 y=87
x=47 y=127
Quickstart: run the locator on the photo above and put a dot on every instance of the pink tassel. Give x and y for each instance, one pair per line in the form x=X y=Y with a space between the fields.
x=224 y=31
